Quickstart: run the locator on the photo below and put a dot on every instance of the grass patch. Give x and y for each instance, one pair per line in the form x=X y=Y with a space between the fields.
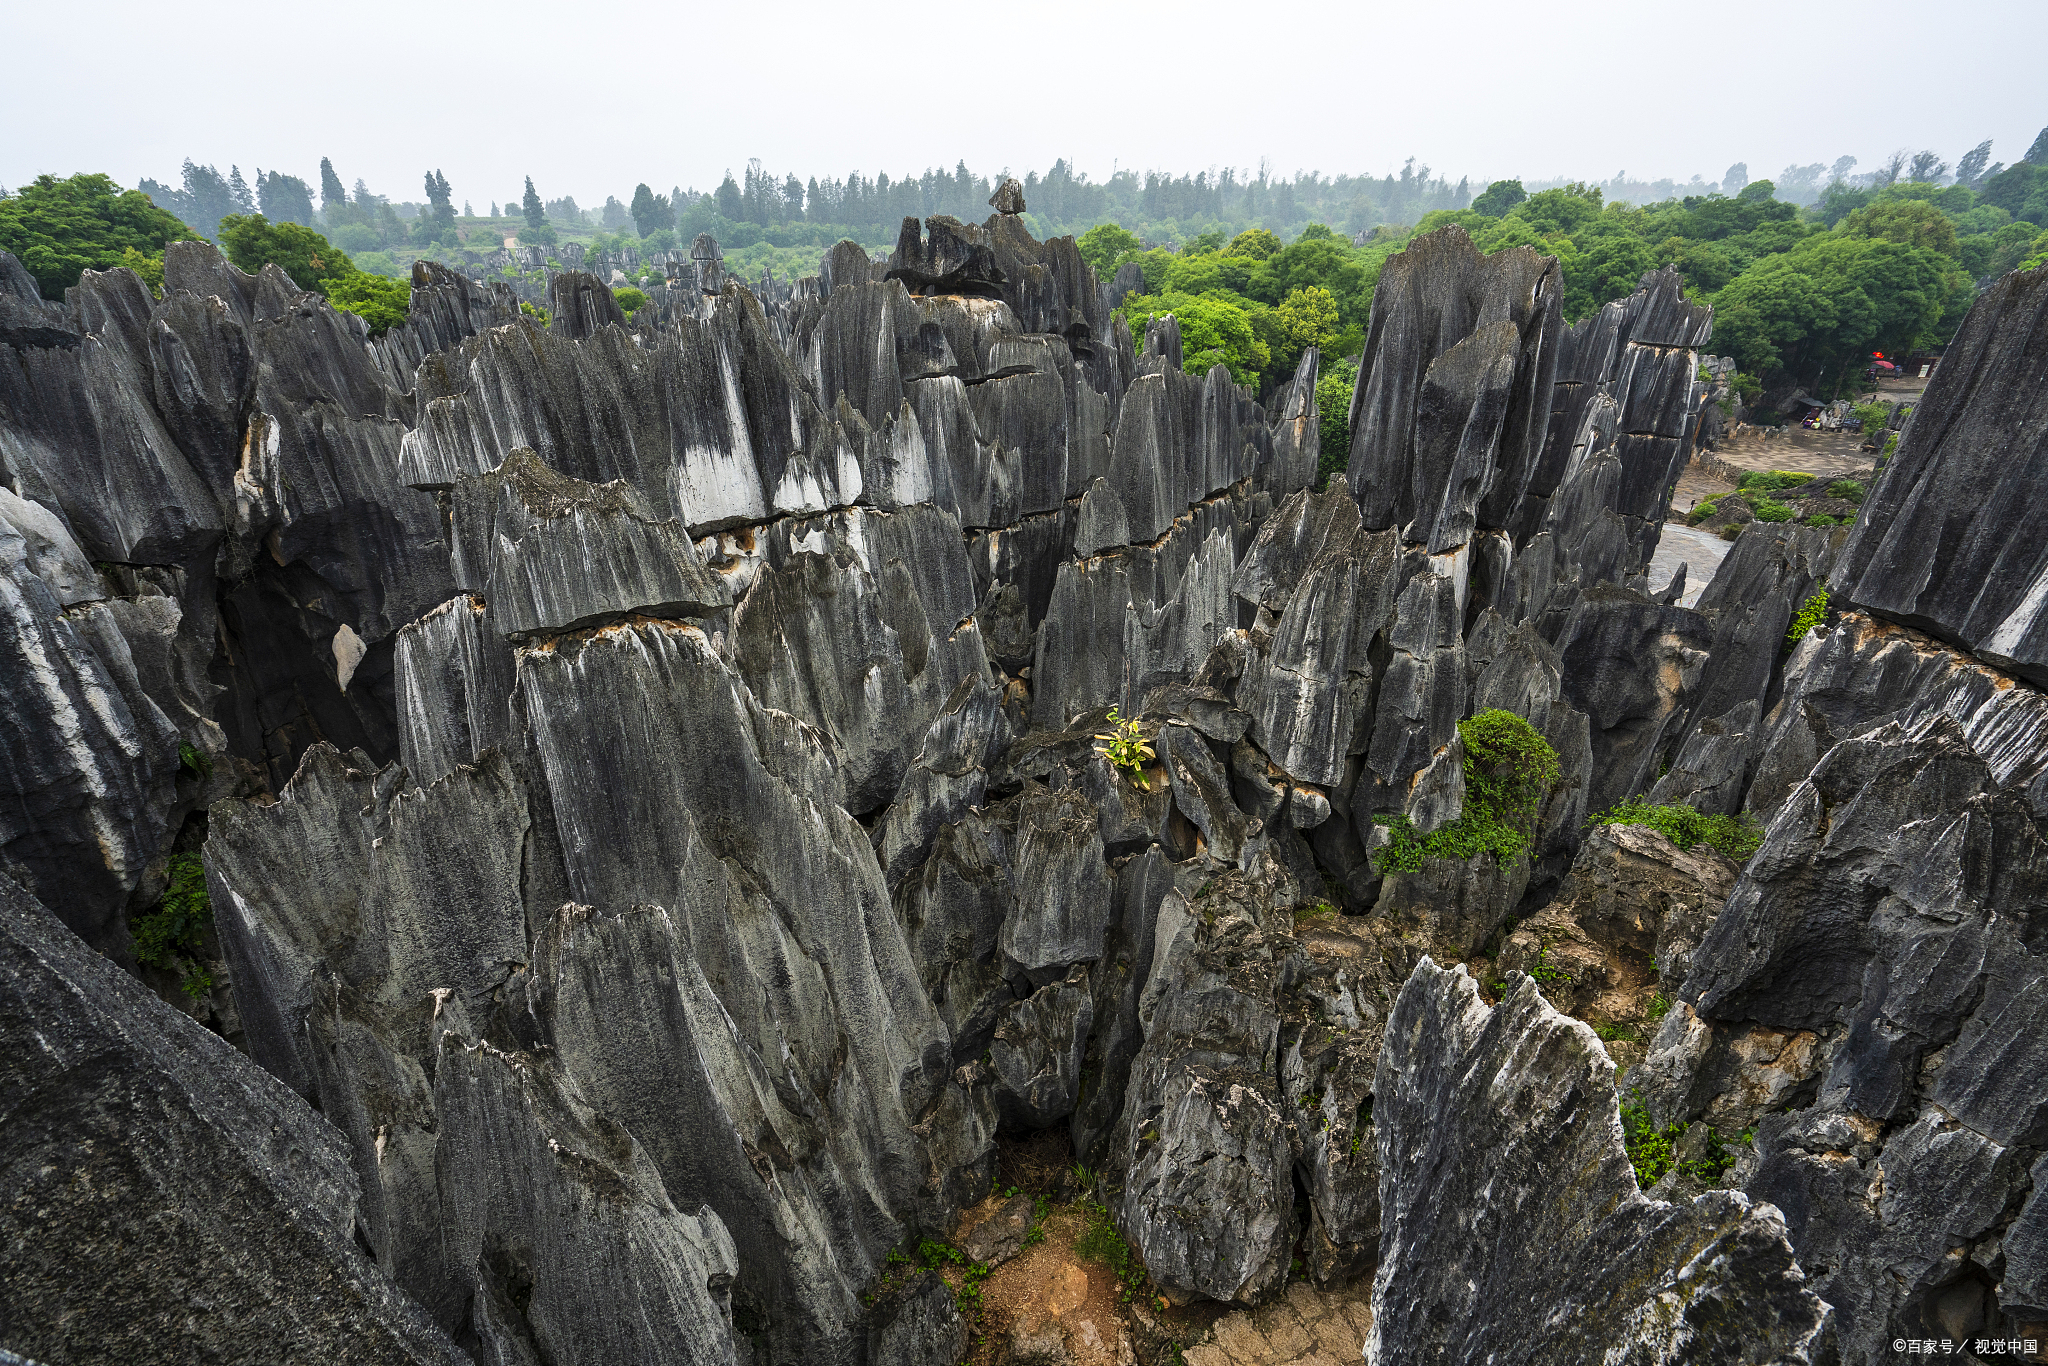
x=1102 y=1243
x=1736 y=836
x=1770 y=481
x=1509 y=770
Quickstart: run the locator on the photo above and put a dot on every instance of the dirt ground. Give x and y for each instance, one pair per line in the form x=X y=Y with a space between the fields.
x=1052 y=1303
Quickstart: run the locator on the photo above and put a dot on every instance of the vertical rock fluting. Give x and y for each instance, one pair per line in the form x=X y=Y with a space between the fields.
x=1512 y=1226
x=1948 y=542
x=749 y=862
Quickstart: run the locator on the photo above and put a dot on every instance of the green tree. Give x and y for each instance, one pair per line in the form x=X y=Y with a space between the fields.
x=1915 y=223
x=1499 y=197
x=1565 y=210
x=1211 y=270
x=530 y=205
x=1609 y=267
x=731 y=203
x=1333 y=414
x=1257 y=243
x=1103 y=245
x=252 y=242
x=651 y=212
x=1306 y=317
x=382 y=303
x=1213 y=331
x=59 y=229
x=438 y=224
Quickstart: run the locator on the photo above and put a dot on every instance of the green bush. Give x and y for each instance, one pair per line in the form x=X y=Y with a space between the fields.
x=1771 y=510
x=1811 y=613
x=1509 y=770
x=1771 y=481
x=1736 y=836
x=382 y=303
x=170 y=936
x=1848 y=490
x=1653 y=1151
x=629 y=300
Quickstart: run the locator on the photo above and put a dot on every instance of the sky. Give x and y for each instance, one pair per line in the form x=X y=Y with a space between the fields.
x=592 y=98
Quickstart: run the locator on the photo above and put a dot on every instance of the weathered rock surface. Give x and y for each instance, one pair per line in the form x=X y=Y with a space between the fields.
x=168 y=1199
x=1865 y=1002
x=1548 y=1228
x=1948 y=541
x=668 y=838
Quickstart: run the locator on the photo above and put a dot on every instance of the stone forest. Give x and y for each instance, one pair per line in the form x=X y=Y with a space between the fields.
x=880 y=819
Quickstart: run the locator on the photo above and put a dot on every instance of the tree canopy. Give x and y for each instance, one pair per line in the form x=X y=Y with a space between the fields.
x=59 y=229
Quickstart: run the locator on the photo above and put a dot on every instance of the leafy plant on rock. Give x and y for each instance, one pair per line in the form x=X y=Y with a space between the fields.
x=1509 y=771
x=1811 y=613
x=170 y=937
x=1735 y=836
x=1125 y=746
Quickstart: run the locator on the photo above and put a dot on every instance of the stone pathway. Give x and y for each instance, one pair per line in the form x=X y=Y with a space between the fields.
x=1701 y=552
x=1304 y=1328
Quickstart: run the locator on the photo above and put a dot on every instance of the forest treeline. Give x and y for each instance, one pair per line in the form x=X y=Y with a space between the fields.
x=1806 y=281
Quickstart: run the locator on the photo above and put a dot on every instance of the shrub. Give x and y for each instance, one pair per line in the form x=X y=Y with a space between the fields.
x=382 y=303
x=629 y=300
x=1653 y=1151
x=1771 y=481
x=1771 y=510
x=1735 y=836
x=170 y=936
x=1509 y=770
x=1811 y=613
x=1848 y=490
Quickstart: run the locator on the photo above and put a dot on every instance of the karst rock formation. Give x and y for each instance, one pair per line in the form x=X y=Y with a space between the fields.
x=648 y=785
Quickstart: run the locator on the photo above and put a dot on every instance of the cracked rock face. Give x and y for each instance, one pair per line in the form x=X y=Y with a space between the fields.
x=653 y=803
x=1978 y=440
x=1549 y=1228
x=151 y=1164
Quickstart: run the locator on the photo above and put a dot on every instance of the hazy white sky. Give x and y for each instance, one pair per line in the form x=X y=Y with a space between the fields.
x=591 y=98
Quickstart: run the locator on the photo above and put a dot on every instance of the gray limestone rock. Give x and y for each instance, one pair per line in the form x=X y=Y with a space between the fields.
x=917 y=1324
x=1509 y=1201
x=581 y=303
x=549 y=553
x=1459 y=354
x=169 y=1199
x=1887 y=923
x=1947 y=541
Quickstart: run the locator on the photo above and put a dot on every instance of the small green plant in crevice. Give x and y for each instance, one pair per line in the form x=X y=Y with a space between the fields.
x=1659 y=1007
x=967 y=1299
x=1736 y=836
x=170 y=936
x=1509 y=770
x=1361 y=1126
x=1125 y=747
x=934 y=1255
x=1812 y=613
x=1102 y=1243
x=196 y=762
x=1618 y=1033
x=1545 y=971
x=1041 y=1210
x=1651 y=1150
